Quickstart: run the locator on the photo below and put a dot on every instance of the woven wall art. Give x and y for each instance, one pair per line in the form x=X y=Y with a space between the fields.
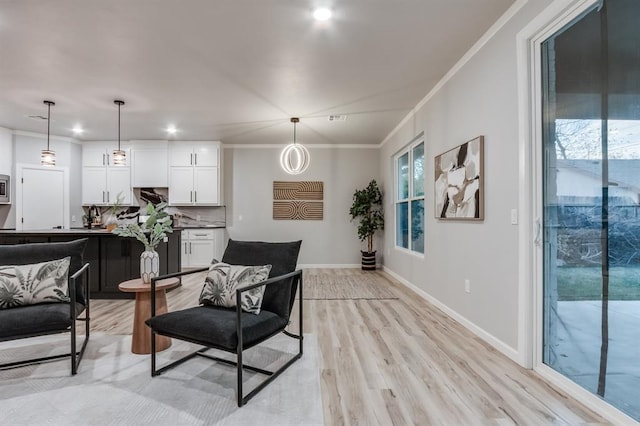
x=298 y=200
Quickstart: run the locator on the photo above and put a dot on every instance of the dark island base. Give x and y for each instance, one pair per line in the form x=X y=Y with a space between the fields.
x=113 y=259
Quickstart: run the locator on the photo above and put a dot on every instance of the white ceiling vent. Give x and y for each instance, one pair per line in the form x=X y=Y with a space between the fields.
x=338 y=117
x=37 y=117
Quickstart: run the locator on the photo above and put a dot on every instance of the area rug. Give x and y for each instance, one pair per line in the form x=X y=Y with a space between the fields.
x=114 y=387
x=319 y=286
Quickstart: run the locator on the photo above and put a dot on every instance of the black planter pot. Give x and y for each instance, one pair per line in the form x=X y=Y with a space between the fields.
x=368 y=261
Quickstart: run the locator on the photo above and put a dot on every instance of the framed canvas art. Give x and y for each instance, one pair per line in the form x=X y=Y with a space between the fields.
x=459 y=189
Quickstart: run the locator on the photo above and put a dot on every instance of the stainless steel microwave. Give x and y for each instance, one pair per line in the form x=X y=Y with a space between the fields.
x=5 y=188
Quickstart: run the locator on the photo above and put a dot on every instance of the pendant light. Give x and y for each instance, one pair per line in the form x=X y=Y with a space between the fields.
x=119 y=156
x=294 y=158
x=48 y=157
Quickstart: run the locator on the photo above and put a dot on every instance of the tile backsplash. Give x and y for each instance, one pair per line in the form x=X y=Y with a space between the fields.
x=188 y=217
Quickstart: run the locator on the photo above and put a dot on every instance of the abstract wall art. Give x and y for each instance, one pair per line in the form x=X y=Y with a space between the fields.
x=459 y=191
x=298 y=200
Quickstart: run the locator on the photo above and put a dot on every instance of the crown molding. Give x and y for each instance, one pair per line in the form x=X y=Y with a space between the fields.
x=316 y=146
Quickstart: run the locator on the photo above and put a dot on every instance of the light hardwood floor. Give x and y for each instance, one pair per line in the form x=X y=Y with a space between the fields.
x=400 y=361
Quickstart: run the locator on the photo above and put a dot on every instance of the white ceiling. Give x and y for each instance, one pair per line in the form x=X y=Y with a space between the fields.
x=229 y=70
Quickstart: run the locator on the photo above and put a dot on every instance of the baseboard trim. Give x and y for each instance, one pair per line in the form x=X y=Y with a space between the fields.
x=498 y=344
x=329 y=266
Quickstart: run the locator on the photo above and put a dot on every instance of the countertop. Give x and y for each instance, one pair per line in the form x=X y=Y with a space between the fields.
x=182 y=228
x=85 y=231
x=77 y=231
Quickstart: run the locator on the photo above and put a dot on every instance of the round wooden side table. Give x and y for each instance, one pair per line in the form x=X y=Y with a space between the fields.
x=141 y=339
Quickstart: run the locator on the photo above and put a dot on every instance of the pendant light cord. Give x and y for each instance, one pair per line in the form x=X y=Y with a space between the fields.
x=48 y=123
x=119 y=104
x=49 y=103
x=295 y=121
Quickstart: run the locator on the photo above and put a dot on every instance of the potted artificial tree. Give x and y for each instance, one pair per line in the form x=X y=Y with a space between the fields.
x=367 y=208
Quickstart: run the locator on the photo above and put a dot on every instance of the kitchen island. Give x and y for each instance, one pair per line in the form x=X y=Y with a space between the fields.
x=113 y=259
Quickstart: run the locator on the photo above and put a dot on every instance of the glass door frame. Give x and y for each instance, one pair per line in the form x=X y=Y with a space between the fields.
x=530 y=203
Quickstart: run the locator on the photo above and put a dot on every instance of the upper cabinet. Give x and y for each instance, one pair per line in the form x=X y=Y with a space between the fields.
x=200 y=154
x=102 y=182
x=149 y=164
x=194 y=174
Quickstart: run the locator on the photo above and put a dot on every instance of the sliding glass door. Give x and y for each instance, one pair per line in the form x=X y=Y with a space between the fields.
x=591 y=202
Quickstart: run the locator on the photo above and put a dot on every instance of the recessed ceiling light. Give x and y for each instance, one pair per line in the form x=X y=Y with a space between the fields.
x=77 y=130
x=172 y=130
x=322 y=14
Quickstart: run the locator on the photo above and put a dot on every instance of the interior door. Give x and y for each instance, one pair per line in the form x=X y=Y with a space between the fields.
x=42 y=198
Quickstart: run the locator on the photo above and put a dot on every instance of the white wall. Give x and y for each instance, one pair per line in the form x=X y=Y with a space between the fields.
x=479 y=99
x=6 y=151
x=75 y=185
x=6 y=168
x=26 y=150
x=248 y=178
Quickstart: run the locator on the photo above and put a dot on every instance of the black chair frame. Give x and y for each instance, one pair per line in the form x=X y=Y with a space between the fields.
x=74 y=355
x=242 y=399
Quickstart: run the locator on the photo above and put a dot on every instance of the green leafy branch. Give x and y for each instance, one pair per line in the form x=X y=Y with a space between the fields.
x=153 y=230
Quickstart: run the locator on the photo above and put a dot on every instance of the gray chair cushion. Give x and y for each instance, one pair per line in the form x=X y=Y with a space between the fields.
x=216 y=327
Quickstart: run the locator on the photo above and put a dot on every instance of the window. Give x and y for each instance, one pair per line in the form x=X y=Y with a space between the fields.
x=409 y=197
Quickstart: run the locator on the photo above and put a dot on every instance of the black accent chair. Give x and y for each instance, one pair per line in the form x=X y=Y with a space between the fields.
x=48 y=318
x=233 y=330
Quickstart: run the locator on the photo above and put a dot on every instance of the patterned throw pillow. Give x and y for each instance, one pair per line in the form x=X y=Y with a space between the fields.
x=44 y=282
x=223 y=279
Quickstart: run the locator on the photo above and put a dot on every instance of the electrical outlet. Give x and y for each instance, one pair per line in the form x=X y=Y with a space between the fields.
x=467 y=286
x=73 y=218
x=514 y=216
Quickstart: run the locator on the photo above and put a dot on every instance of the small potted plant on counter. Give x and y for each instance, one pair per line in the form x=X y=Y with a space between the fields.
x=150 y=233
x=115 y=208
x=367 y=208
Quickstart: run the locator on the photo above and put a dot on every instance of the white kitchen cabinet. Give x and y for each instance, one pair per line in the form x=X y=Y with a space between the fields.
x=202 y=154
x=194 y=174
x=201 y=246
x=101 y=181
x=94 y=182
x=149 y=167
x=102 y=185
x=194 y=186
x=95 y=156
x=181 y=186
x=205 y=185
x=118 y=182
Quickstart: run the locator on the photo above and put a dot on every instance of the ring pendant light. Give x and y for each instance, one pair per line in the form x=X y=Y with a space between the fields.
x=47 y=156
x=295 y=158
x=119 y=156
